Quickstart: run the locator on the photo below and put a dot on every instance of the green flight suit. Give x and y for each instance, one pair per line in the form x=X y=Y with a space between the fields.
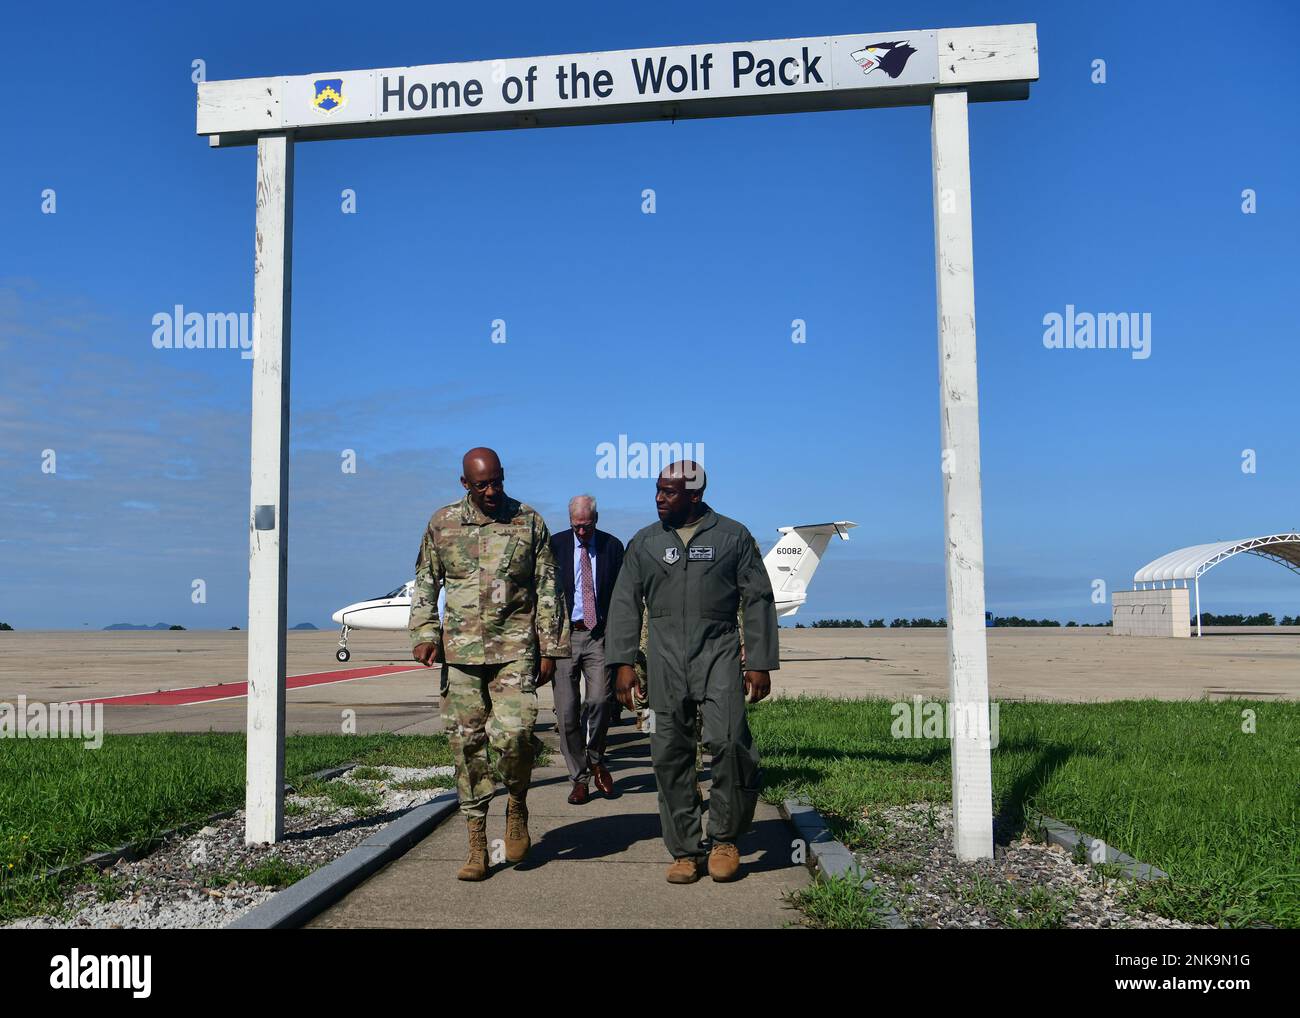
x=692 y=596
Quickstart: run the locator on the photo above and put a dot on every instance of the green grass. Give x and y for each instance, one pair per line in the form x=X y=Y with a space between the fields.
x=841 y=903
x=369 y=774
x=342 y=795
x=424 y=784
x=270 y=872
x=60 y=802
x=1036 y=909
x=1177 y=785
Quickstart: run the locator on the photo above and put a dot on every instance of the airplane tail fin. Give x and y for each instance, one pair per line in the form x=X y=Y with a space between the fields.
x=796 y=556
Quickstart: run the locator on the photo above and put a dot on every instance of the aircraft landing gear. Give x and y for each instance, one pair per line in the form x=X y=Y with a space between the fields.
x=343 y=654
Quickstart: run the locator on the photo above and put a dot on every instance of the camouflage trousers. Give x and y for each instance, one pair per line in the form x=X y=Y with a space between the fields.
x=488 y=713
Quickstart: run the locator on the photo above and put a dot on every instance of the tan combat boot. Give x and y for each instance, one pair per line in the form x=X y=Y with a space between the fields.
x=517 y=840
x=724 y=861
x=476 y=863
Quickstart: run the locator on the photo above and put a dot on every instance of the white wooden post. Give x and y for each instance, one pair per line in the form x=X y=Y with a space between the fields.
x=269 y=490
x=968 y=687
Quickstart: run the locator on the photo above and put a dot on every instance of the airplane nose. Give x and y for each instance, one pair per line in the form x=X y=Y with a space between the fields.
x=338 y=616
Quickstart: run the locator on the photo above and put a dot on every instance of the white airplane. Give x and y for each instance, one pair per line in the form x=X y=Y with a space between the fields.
x=790 y=567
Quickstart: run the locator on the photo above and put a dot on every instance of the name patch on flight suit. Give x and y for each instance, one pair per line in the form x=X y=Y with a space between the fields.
x=700 y=555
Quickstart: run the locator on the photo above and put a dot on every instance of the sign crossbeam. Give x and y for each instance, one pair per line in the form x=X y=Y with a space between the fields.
x=674 y=82
x=945 y=69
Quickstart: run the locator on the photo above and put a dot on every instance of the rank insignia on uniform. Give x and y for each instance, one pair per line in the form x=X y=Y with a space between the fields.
x=329 y=95
x=700 y=554
x=671 y=555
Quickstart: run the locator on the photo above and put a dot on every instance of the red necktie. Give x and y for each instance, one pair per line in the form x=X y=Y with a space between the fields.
x=588 y=592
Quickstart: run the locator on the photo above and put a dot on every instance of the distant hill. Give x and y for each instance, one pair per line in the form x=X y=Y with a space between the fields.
x=164 y=626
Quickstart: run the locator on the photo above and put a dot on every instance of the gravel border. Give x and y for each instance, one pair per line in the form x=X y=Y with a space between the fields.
x=1045 y=857
x=1057 y=833
x=133 y=851
x=1027 y=884
x=210 y=878
x=303 y=901
x=826 y=856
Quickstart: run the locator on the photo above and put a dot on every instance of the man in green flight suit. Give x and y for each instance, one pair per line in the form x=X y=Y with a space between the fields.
x=492 y=555
x=690 y=573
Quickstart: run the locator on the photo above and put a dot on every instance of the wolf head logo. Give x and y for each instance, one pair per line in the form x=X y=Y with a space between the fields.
x=890 y=57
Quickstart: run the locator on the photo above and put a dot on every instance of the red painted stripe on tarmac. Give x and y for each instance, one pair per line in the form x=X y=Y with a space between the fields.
x=229 y=690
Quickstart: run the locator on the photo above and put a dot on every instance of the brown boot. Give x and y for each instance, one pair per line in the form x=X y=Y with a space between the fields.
x=476 y=863
x=724 y=861
x=517 y=840
x=684 y=871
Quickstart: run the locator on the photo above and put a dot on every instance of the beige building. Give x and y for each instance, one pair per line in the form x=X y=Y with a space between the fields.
x=1158 y=606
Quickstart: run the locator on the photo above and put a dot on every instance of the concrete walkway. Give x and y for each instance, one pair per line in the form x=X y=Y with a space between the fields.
x=601 y=865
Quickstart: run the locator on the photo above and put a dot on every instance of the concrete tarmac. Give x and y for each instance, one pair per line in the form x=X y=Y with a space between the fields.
x=1037 y=664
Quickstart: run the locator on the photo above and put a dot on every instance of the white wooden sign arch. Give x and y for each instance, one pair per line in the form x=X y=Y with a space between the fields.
x=945 y=69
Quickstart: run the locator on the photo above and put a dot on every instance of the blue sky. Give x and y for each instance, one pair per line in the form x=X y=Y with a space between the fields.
x=1115 y=197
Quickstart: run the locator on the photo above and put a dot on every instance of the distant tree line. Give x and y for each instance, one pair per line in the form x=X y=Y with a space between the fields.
x=5 y=627
x=1262 y=619
x=1015 y=621
x=875 y=624
x=1008 y=621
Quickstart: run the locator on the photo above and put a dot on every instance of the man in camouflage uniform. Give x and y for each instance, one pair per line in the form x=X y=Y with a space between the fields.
x=492 y=556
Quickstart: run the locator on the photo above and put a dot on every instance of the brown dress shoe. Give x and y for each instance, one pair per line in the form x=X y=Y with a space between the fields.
x=724 y=861
x=684 y=871
x=579 y=795
x=600 y=774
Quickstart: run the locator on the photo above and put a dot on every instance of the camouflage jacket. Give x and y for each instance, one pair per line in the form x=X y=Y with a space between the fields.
x=503 y=600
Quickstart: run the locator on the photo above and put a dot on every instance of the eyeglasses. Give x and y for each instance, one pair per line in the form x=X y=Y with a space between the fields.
x=492 y=482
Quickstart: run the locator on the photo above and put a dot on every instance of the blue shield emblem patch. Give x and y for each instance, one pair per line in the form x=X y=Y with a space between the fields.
x=329 y=95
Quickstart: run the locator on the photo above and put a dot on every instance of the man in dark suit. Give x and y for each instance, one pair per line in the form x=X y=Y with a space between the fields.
x=587 y=563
